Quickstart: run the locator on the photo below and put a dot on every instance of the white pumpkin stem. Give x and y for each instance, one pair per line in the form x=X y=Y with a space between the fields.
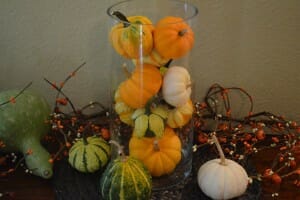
x=155 y=145
x=120 y=149
x=188 y=86
x=125 y=69
x=221 y=153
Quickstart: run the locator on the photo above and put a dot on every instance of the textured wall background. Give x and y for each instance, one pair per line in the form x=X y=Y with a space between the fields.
x=253 y=44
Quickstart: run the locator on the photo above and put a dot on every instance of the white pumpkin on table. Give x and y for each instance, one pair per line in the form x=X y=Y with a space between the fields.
x=222 y=178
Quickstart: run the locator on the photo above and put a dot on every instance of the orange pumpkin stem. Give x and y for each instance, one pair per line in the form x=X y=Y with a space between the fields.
x=122 y=17
x=221 y=153
x=125 y=69
x=155 y=145
x=182 y=32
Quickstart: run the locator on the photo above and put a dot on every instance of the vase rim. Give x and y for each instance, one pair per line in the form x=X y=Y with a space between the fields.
x=110 y=11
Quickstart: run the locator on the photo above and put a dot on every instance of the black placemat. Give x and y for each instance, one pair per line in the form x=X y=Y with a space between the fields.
x=70 y=184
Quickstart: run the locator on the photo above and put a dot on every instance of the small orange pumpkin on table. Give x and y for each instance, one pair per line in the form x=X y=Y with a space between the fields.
x=160 y=156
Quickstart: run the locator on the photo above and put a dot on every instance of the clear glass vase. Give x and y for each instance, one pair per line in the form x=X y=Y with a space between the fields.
x=151 y=86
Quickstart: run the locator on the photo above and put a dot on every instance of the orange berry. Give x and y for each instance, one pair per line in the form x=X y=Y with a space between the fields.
x=68 y=144
x=62 y=101
x=276 y=178
x=12 y=100
x=105 y=133
x=260 y=134
x=281 y=158
x=222 y=139
x=247 y=136
x=275 y=139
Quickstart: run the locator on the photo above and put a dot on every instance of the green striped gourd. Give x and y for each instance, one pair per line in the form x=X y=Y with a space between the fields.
x=126 y=178
x=89 y=154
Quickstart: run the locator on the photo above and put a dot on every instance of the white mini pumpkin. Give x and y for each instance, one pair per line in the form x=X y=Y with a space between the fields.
x=176 y=87
x=222 y=178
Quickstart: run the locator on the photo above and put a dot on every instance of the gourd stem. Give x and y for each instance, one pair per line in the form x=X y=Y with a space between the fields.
x=84 y=140
x=182 y=32
x=156 y=146
x=168 y=63
x=122 y=17
x=221 y=153
x=188 y=85
x=120 y=149
x=125 y=69
x=148 y=106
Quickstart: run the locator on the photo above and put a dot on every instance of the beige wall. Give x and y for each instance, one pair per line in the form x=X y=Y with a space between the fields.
x=253 y=44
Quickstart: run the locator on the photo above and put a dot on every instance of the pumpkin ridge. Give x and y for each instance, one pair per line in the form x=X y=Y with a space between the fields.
x=169 y=153
x=84 y=160
x=167 y=160
x=133 y=179
x=79 y=154
x=138 y=83
x=74 y=159
x=99 y=159
x=122 y=183
x=108 y=173
x=76 y=146
x=103 y=149
x=141 y=174
x=116 y=175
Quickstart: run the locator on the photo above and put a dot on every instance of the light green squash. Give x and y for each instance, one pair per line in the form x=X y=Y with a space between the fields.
x=22 y=126
x=90 y=154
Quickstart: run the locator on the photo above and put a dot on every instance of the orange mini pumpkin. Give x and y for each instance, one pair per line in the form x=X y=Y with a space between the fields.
x=144 y=83
x=173 y=37
x=123 y=110
x=152 y=58
x=160 y=156
x=133 y=39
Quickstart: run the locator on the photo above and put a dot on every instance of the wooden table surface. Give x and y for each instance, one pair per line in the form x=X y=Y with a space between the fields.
x=20 y=185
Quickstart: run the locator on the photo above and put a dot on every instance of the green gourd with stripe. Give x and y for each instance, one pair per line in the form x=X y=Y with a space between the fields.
x=126 y=178
x=90 y=154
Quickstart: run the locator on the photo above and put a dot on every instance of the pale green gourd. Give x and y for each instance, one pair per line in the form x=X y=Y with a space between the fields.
x=89 y=154
x=22 y=126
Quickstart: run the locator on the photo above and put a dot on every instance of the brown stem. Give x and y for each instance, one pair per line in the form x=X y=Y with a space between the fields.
x=182 y=32
x=168 y=63
x=127 y=73
x=15 y=97
x=155 y=145
x=290 y=173
x=189 y=85
x=221 y=153
x=122 y=17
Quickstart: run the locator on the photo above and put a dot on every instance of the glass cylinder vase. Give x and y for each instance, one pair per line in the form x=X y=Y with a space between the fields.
x=151 y=87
